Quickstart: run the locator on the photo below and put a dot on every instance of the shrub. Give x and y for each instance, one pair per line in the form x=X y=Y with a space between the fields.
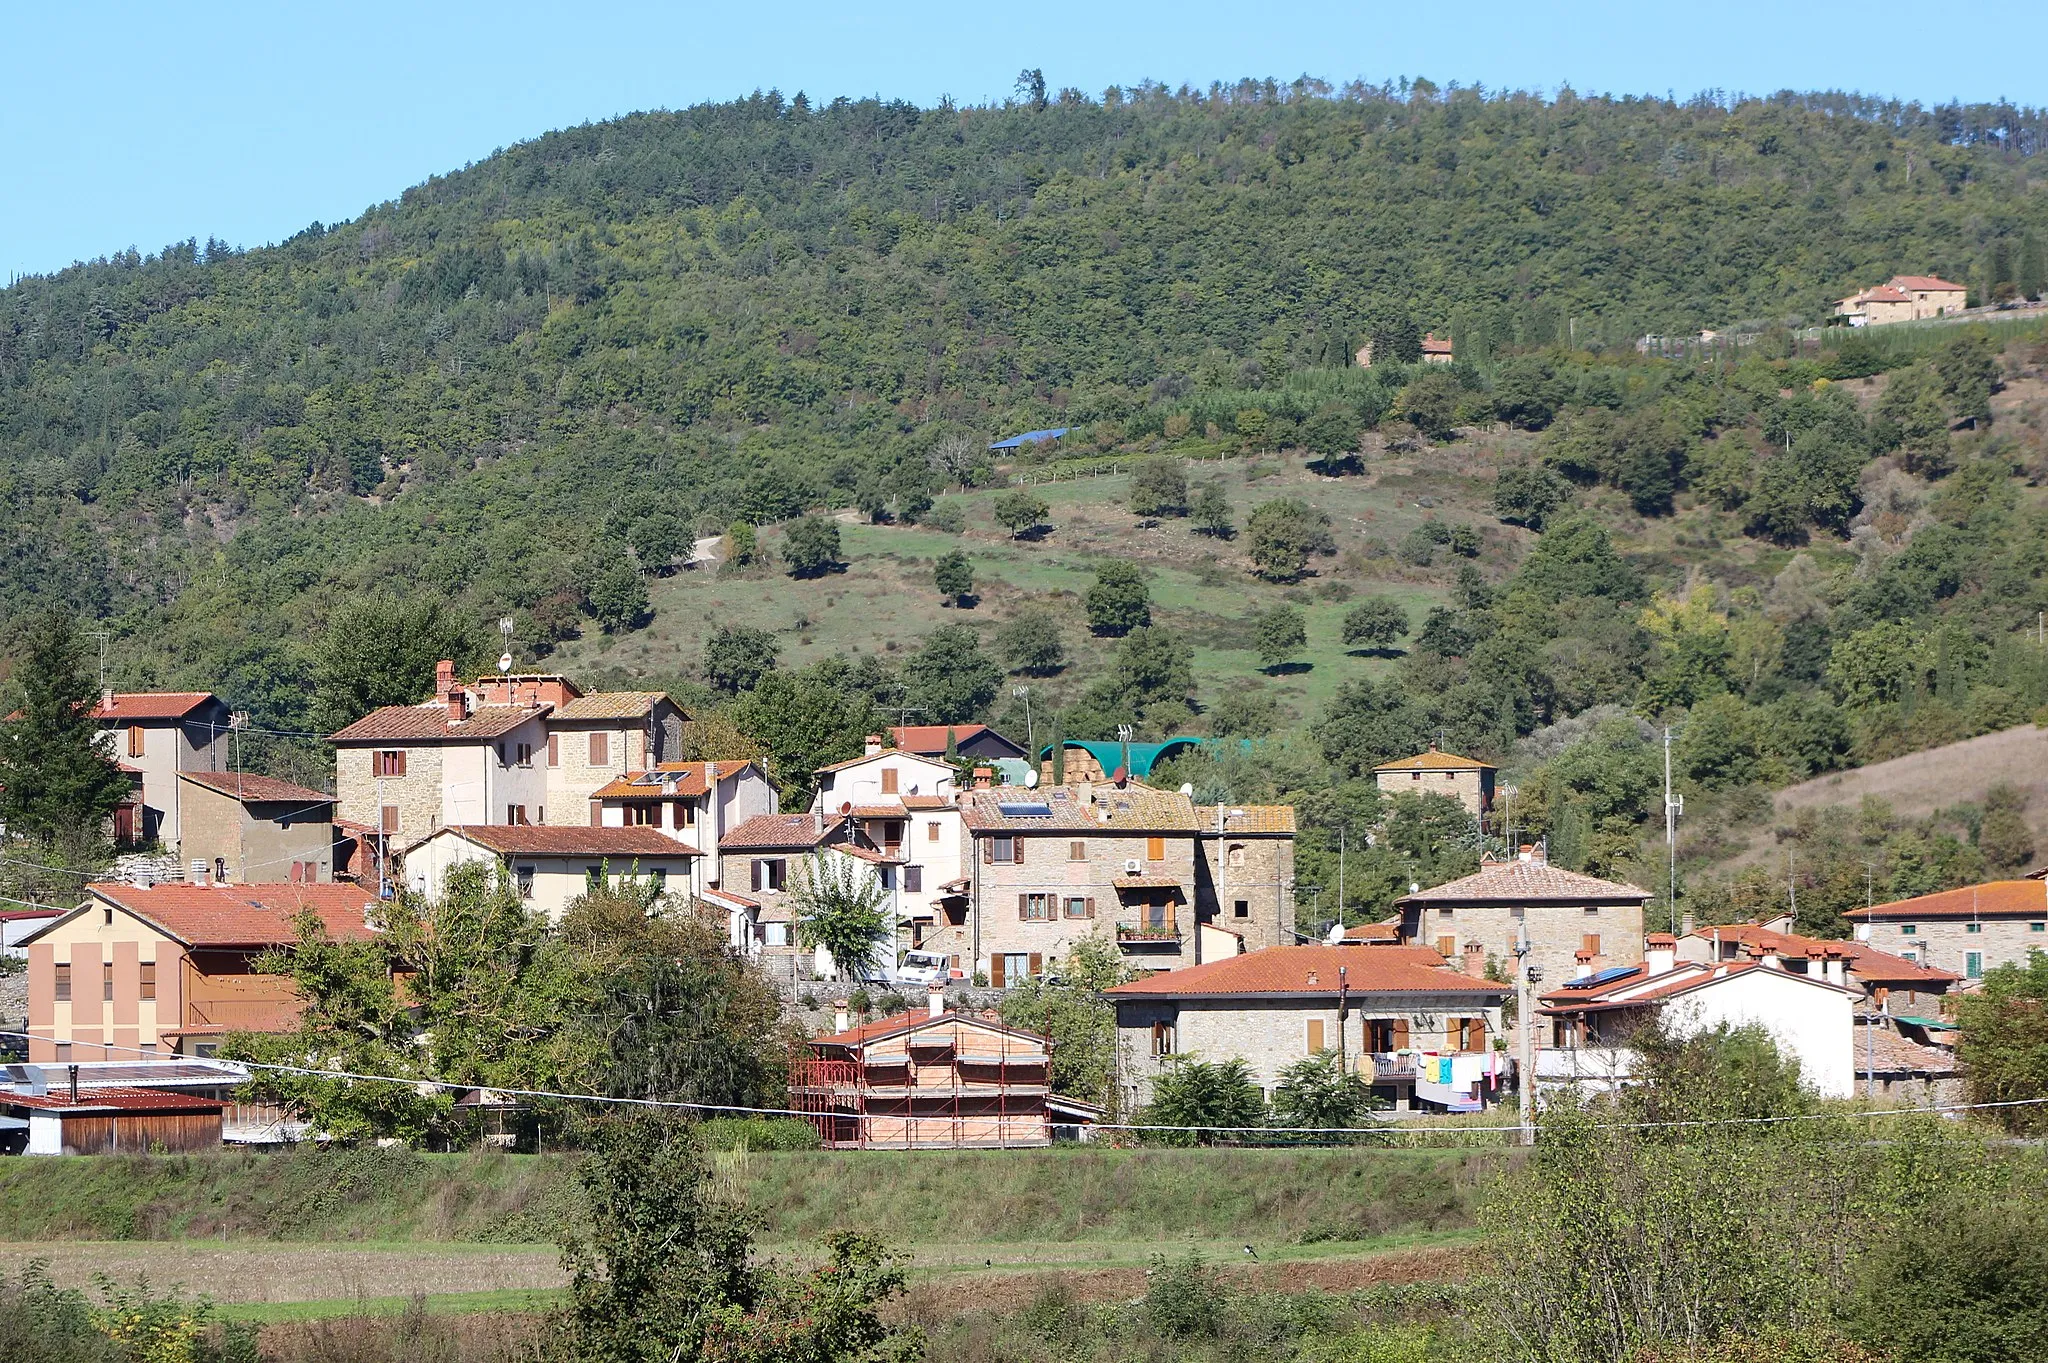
x=757 y=1133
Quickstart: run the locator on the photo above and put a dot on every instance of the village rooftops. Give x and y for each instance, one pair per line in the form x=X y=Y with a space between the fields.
x=432 y=722
x=567 y=840
x=603 y=705
x=1884 y=293
x=116 y=706
x=1100 y=808
x=899 y=1024
x=1314 y=972
x=1373 y=934
x=256 y=790
x=1527 y=880
x=885 y=752
x=1436 y=761
x=1249 y=820
x=669 y=780
x=1867 y=963
x=930 y=739
x=779 y=833
x=1994 y=899
x=235 y=915
x=1926 y=283
x=1639 y=986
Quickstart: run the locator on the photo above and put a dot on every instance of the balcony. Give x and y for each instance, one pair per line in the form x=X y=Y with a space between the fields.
x=1138 y=938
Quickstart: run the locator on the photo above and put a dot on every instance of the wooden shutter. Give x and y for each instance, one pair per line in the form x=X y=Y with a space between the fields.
x=1454 y=1035
x=1155 y=849
x=988 y=851
x=1400 y=1034
x=1315 y=1035
x=136 y=740
x=1037 y=963
x=1023 y=906
x=554 y=750
x=1091 y=908
x=995 y=970
x=148 y=981
x=1447 y=947
x=1016 y=851
x=1590 y=942
x=389 y=818
x=600 y=750
x=1475 y=1033
x=755 y=867
x=1077 y=851
x=888 y=780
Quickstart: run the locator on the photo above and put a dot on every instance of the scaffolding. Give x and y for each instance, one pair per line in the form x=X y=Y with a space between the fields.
x=934 y=1093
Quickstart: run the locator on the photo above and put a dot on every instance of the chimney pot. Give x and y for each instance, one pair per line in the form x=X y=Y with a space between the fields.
x=1475 y=960
x=74 y=1083
x=872 y=745
x=935 y=998
x=839 y=1007
x=444 y=674
x=1687 y=924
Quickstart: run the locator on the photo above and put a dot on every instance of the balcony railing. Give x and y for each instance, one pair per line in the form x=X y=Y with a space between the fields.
x=1132 y=935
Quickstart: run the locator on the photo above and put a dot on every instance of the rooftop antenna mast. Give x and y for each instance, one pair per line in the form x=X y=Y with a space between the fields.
x=103 y=635
x=1674 y=805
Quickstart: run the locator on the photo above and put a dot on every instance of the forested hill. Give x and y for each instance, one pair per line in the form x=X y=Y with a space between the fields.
x=479 y=390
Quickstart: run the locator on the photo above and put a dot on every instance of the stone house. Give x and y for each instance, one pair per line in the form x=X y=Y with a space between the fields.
x=552 y=865
x=1905 y=298
x=1570 y=918
x=156 y=735
x=1967 y=931
x=1413 y=1027
x=406 y=770
x=596 y=739
x=1436 y=350
x=250 y=830
x=167 y=969
x=693 y=802
x=1050 y=865
x=1466 y=780
x=762 y=862
x=1244 y=881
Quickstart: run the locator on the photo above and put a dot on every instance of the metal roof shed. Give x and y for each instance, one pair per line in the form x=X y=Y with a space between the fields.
x=1017 y=442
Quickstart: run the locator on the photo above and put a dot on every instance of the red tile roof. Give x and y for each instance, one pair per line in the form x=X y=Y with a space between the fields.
x=777 y=832
x=1997 y=898
x=916 y=1020
x=1638 y=986
x=239 y=915
x=117 y=1100
x=430 y=723
x=1528 y=882
x=886 y=752
x=255 y=789
x=1867 y=963
x=152 y=705
x=1247 y=819
x=610 y=705
x=1435 y=345
x=572 y=840
x=1884 y=293
x=1926 y=283
x=930 y=739
x=688 y=779
x=1289 y=972
x=1136 y=809
x=1435 y=761
x=1382 y=933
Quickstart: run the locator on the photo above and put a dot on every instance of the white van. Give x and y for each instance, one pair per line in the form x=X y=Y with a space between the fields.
x=922 y=967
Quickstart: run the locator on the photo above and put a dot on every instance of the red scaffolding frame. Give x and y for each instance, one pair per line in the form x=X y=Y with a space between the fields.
x=841 y=1098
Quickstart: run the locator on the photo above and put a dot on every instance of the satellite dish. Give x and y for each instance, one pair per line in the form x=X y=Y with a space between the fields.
x=1031 y=780
x=1187 y=788
x=504 y=662
x=1414 y=887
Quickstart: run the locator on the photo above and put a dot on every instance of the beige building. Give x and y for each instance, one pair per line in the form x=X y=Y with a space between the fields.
x=693 y=802
x=169 y=969
x=1572 y=920
x=1244 y=882
x=1465 y=779
x=882 y=774
x=597 y=739
x=551 y=866
x=246 y=830
x=158 y=734
x=760 y=865
x=1906 y=298
x=1414 y=1028
x=1967 y=931
x=1048 y=866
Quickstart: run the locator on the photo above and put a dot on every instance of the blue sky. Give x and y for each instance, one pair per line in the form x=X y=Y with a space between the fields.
x=131 y=125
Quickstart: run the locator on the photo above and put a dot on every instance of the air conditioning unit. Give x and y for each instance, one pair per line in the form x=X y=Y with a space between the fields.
x=1133 y=866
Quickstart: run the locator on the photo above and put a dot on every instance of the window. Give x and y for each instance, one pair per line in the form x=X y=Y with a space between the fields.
x=63 y=984
x=931 y=830
x=1078 y=907
x=1162 y=1038
x=1315 y=1036
x=593 y=878
x=775 y=934
x=1908 y=930
x=1973 y=927
x=1236 y=857
x=888 y=780
x=1445 y=910
x=1241 y=909
x=913 y=880
x=388 y=763
x=1973 y=965
x=387 y=819
x=107 y=917
x=148 y=979
x=526 y=754
x=554 y=750
x=63 y=1052
x=1002 y=851
x=137 y=736
x=643 y=814
x=1590 y=943
x=1447 y=947
x=1077 y=851
x=600 y=750
x=1155 y=849
x=107 y=982
x=1592 y=908
x=1415 y=776
x=1013 y=968
x=522 y=876
x=768 y=873
x=1034 y=907
x=515 y=814
x=2037 y=927
x=1158 y=915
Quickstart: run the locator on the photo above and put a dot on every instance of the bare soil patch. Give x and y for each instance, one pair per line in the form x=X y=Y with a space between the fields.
x=283 y=1272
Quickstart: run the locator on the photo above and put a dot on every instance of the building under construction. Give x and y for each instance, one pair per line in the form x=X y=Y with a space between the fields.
x=931 y=1080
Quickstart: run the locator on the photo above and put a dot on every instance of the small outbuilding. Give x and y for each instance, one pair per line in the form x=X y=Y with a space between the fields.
x=108 y=1121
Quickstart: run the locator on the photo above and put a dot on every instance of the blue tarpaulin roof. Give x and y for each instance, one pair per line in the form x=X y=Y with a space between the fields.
x=1031 y=438
x=1144 y=756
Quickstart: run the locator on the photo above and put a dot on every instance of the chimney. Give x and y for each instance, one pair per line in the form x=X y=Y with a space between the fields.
x=1817 y=962
x=935 y=998
x=984 y=777
x=1084 y=791
x=1660 y=952
x=1313 y=979
x=1528 y=852
x=74 y=1083
x=1687 y=924
x=451 y=693
x=1838 y=971
x=871 y=745
x=107 y=700
x=839 y=1015
x=1770 y=960
x=1583 y=963
x=1475 y=960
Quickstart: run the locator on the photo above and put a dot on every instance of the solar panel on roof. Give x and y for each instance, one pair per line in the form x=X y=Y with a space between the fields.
x=1033 y=810
x=1600 y=977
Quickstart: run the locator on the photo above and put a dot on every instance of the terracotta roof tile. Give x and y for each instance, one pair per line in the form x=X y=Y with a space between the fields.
x=111 y=1099
x=1884 y=293
x=151 y=705
x=886 y=752
x=1926 y=283
x=1249 y=819
x=1435 y=345
x=430 y=724
x=2000 y=898
x=1312 y=970
x=255 y=789
x=609 y=705
x=240 y=915
x=775 y=832
x=1383 y=933
x=930 y=739
x=1866 y=962
x=1136 y=809
x=567 y=840
x=916 y=1020
x=1528 y=882
x=1436 y=761
x=1637 y=986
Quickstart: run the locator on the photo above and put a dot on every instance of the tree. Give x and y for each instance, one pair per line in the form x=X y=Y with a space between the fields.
x=1331 y=434
x=1281 y=632
x=1529 y=495
x=840 y=906
x=1317 y=1093
x=659 y=540
x=1210 y=511
x=1018 y=511
x=1376 y=623
x=1430 y=404
x=2004 y=838
x=56 y=780
x=810 y=547
x=2004 y=1048
x=950 y=677
x=1968 y=369
x=1118 y=602
x=1152 y=665
x=953 y=575
x=1210 y=1097
x=1964 y=1281
x=1031 y=88
x=1031 y=644
x=742 y=545
x=1369 y=722
x=618 y=598
x=1285 y=532
x=381 y=651
x=2031 y=274
x=1159 y=487
x=736 y=657
x=1067 y=1005
x=804 y=720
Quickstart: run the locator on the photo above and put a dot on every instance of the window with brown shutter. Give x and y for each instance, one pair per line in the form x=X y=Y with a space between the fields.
x=1016 y=851
x=1091 y=908
x=554 y=750
x=1315 y=1036
x=387 y=819
x=995 y=971
x=1162 y=1038
x=107 y=982
x=1590 y=942
x=1037 y=964
x=988 y=852
x=600 y=750
x=136 y=739
x=931 y=831
x=913 y=879
x=1454 y=1035
x=1475 y=1034
x=1447 y=947
x=1077 y=851
x=1023 y=906
x=149 y=979
x=1400 y=1034
x=888 y=780
x=388 y=763
x=1155 y=849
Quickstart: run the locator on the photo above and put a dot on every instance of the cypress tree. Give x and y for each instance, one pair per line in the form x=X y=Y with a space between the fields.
x=55 y=778
x=2032 y=272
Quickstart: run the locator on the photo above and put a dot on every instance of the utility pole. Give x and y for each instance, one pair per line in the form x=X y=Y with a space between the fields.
x=1023 y=693
x=1342 y=830
x=1527 y=972
x=1673 y=807
x=103 y=636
